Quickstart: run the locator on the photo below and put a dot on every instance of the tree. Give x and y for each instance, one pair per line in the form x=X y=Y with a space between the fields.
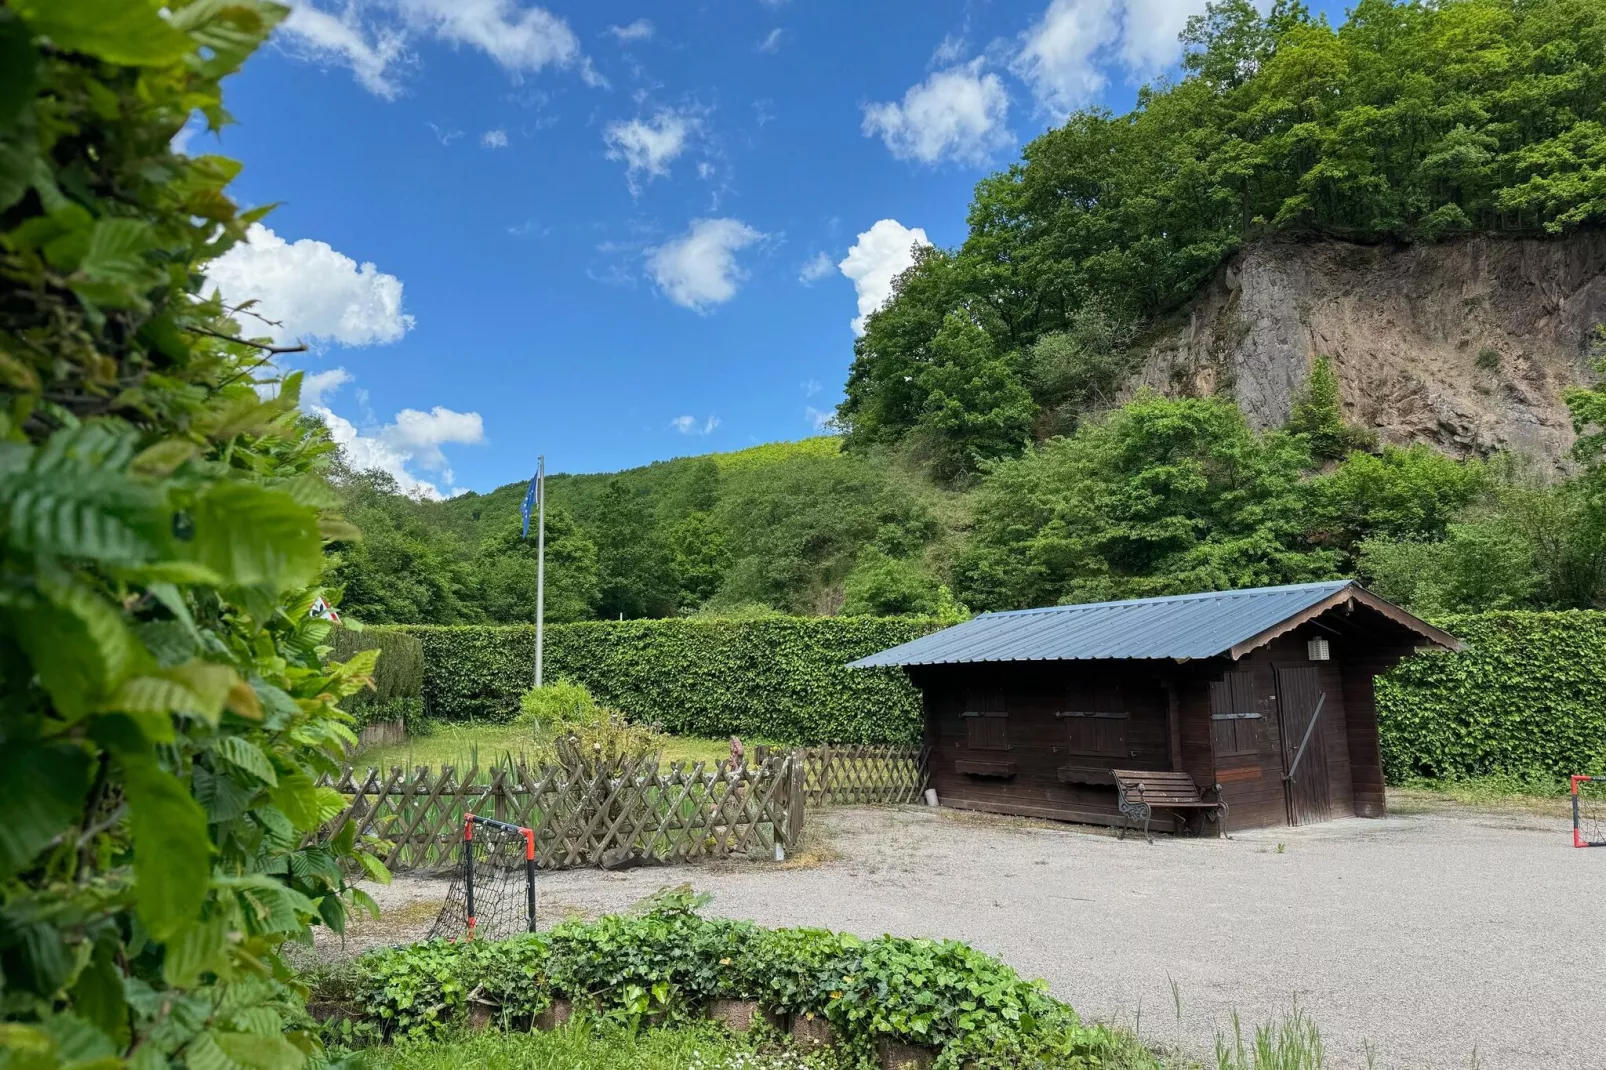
x=976 y=409
x=635 y=574
x=164 y=710
x=884 y=586
x=508 y=577
x=1319 y=416
x=1159 y=497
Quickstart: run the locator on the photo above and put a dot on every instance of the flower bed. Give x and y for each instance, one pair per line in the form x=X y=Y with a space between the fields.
x=666 y=964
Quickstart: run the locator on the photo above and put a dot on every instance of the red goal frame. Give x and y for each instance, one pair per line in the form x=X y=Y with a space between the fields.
x=1578 y=828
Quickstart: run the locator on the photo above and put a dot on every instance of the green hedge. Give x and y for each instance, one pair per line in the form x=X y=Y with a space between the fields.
x=781 y=678
x=398 y=675
x=1528 y=695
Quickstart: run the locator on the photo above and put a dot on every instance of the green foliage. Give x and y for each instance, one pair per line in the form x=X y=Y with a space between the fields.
x=1588 y=408
x=975 y=408
x=1488 y=359
x=165 y=711
x=1528 y=696
x=1412 y=493
x=776 y=678
x=1159 y=497
x=1319 y=415
x=1474 y=567
x=1408 y=121
x=1080 y=369
x=698 y=1046
x=883 y=586
x=665 y=962
x=398 y=678
x=557 y=703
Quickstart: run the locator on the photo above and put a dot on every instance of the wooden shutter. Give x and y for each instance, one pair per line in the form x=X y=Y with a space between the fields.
x=1234 y=721
x=986 y=720
x=1096 y=720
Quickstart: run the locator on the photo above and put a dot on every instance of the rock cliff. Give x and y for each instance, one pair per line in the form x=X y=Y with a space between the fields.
x=1465 y=345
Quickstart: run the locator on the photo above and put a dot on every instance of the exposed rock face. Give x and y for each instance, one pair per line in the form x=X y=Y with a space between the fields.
x=1466 y=345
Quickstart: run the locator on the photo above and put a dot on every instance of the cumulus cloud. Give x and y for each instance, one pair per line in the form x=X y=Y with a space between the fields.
x=815 y=268
x=698 y=269
x=310 y=290
x=372 y=37
x=689 y=425
x=413 y=439
x=317 y=387
x=1065 y=56
x=955 y=114
x=640 y=30
x=647 y=146
x=494 y=139
x=879 y=255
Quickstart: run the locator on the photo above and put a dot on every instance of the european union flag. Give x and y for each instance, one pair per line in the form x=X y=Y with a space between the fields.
x=529 y=504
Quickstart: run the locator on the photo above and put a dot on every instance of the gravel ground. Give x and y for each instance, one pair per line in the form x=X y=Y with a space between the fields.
x=1440 y=940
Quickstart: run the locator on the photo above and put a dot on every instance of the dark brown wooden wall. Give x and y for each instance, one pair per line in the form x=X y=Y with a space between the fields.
x=1039 y=743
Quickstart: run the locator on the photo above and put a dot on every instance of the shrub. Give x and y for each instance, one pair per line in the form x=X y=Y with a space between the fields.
x=1488 y=359
x=1527 y=696
x=557 y=703
x=782 y=678
x=665 y=961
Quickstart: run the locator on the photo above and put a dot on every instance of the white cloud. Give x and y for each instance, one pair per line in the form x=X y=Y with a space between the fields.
x=640 y=30
x=647 y=146
x=311 y=290
x=689 y=425
x=772 y=41
x=494 y=139
x=948 y=52
x=955 y=114
x=698 y=270
x=815 y=268
x=372 y=36
x=822 y=419
x=810 y=387
x=880 y=254
x=415 y=438
x=1066 y=55
x=316 y=388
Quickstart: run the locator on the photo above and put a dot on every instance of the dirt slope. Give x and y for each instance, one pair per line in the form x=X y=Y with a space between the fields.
x=1405 y=327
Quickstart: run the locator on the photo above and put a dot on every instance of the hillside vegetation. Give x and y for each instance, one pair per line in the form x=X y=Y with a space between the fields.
x=984 y=458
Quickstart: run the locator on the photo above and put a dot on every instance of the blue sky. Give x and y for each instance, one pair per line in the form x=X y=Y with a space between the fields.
x=615 y=232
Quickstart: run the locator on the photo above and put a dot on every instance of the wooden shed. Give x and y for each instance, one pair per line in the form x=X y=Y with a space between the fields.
x=1262 y=695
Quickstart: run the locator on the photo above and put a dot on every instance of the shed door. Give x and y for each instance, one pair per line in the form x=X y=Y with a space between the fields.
x=1298 y=692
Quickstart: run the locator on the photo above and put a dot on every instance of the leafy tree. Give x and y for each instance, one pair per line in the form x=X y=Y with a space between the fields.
x=1318 y=414
x=1588 y=408
x=1411 y=493
x=1080 y=369
x=164 y=709
x=976 y=408
x=883 y=586
x=1475 y=567
x=1160 y=497
x=508 y=572
x=635 y=574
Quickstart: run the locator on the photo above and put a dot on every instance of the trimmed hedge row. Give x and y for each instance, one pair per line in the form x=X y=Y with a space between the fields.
x=781 y=678
x=398 y=675
x=1527 y=695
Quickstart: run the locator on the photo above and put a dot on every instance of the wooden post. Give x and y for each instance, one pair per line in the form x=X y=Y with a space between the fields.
x=1173 y=720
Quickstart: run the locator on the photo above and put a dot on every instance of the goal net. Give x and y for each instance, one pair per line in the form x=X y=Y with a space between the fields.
x=1589 y=811
x=493 y=893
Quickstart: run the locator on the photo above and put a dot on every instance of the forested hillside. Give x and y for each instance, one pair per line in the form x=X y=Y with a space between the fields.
x=994 y=451
x=1409 y=123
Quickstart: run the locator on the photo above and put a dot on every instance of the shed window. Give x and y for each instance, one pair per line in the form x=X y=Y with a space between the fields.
x=986 y=720
x=1234 y=721
x=1096 y=720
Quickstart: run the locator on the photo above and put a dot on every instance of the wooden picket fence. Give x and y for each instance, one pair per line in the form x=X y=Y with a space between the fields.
x=632 y=814
x=862 y=775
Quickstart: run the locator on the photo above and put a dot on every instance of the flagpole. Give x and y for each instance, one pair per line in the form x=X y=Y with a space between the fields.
x=540 y=563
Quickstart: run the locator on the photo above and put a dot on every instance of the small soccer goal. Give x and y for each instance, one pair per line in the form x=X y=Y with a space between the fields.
x=493 y=894
x=1589 y=811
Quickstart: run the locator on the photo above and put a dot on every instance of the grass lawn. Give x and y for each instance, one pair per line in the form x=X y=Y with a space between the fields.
x=458 y=744
x=1534 y=794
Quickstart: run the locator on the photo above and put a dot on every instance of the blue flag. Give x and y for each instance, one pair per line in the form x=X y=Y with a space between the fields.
x=529 y=504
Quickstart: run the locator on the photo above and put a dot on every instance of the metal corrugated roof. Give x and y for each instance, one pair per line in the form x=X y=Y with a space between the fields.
x=1179 y=626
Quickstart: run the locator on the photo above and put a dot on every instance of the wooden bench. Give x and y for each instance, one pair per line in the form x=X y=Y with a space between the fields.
x=1141 y=791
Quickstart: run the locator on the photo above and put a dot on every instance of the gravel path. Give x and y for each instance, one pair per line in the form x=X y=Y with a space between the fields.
x=1443 y=940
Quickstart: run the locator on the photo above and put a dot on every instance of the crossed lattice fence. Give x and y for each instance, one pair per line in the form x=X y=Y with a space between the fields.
x=638 y=812
x=862 y=775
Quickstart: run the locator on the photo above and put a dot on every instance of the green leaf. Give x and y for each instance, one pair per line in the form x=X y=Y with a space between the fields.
x=129 y=32
x=98 y=993
x=45 y=785
x=19 y=150
x=77 y=1041
x=221 y=797
x=172 y=858
x=256 y=1052
x=18 y=67
x=251 y=536
x=116 y=252
x=246 y=756
x=197 y=948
